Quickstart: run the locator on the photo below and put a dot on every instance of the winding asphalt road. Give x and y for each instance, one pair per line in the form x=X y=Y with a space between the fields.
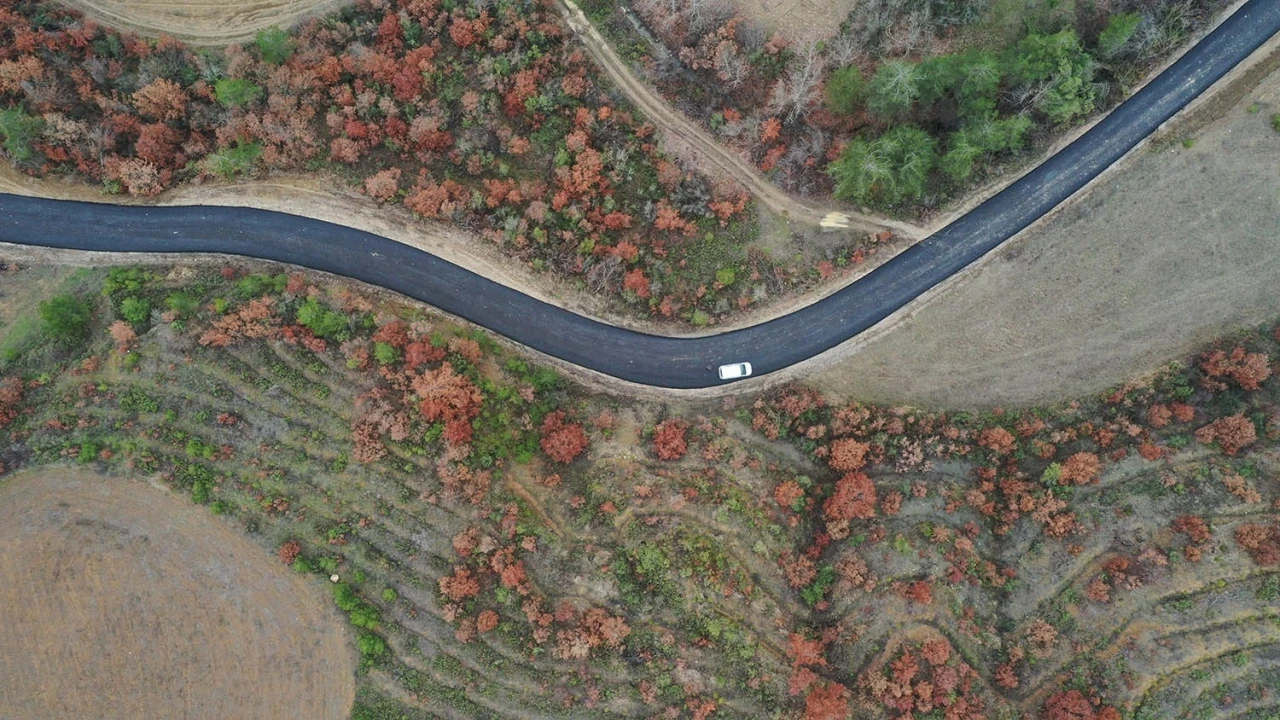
x=637 y=357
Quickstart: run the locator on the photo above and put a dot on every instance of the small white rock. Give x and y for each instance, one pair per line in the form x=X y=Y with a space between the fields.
x=333 y=577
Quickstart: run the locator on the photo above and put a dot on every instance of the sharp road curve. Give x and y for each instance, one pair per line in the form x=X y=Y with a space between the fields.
x=638 y=357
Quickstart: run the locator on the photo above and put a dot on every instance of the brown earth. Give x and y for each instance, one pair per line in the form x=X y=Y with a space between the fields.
x=1175 y=247
x=122 y=601
x=202 y=22
x=800 y=21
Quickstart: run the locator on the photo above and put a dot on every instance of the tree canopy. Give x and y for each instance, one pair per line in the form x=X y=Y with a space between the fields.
x=66 y=317
x=888 y=170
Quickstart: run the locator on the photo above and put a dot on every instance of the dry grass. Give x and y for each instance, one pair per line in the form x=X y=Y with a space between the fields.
x=124 y=601
x=798 y=20
x=202 y=22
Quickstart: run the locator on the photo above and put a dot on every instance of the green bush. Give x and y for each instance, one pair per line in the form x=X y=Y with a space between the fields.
x=985 y=136
x=360 y=613
x=1061 y=65
x=126 y=281
x=275 y=45
x=1117 y=34
x=817 y=591
x=135 y=400
x=385 y=354
x=66 y=318
x=182 y=303
x=371 y=646
x=252 y=286
x=89 y=451
x=894 y=89
x=135 y=311
x=846 y=90
x=322 y=321
x=236 y=92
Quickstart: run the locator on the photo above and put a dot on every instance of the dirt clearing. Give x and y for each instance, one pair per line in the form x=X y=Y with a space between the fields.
x=800 y=21
x=123 y=601
x=201 y=22
x=1170 y=250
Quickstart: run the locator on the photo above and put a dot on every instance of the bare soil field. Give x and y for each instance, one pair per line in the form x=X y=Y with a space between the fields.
x=800 y=21
x=1174 y=248
x=124 y=601
x=201 y=22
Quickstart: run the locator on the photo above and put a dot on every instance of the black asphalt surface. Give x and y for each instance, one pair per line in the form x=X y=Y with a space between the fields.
x=638 y=357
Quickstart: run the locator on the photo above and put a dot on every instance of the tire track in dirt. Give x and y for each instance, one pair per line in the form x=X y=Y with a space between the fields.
x=721 y=160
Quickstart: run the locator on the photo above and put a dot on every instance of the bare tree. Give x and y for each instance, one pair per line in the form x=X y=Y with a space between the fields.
x=872 y=19
x=707 y=15
x=794 y=92
x=909 y=34
x=605 y=276
x=843 y=49
x=731 y=66
x=795 y=176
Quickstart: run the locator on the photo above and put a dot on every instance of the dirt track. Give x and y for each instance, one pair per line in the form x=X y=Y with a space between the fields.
x=122 y=601
x=202 y=22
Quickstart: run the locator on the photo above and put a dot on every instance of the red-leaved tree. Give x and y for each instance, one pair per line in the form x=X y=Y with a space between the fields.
x=669 y=442
x=1232 y=433
x=10 y=396
x=562 y=441
x=450 y=398
x=854 y=499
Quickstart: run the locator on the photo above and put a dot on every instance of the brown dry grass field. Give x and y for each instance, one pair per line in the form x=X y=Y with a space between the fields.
x=123 y=601
x=1174 y=248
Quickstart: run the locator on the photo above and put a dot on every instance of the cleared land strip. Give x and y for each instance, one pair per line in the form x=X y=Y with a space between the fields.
x=723 y=161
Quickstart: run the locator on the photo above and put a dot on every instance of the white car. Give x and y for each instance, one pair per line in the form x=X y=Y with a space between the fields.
x=735 y=371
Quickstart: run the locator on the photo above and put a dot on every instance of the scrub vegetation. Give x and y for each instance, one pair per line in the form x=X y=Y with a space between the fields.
x=902 y=105
x=485 y=116
x=503 y=544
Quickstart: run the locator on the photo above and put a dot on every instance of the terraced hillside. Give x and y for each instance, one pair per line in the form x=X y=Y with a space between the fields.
x=504 y=545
